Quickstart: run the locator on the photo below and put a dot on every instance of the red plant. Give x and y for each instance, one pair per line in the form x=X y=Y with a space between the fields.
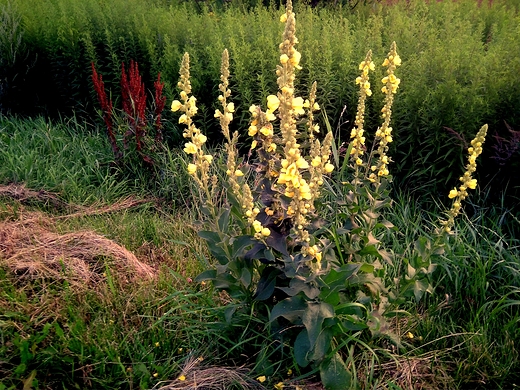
x=160 y=101
x=106 y=106
x=134 y=103
x=134 y=106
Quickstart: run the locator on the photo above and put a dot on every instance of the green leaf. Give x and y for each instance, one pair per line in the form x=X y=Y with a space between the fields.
x=240 y=243
x=334 y=374
x=369 y=250
x=210 y=274
x=245 y=277
x=223 y=221
x=322 y=345
x=291 y=308
x=419 y=288
x=298 y=285
x=302 y=347
x=266 y=284
x=214 y=242
x=313 y=319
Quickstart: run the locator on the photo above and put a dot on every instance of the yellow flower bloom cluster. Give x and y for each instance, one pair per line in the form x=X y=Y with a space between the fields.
x=260 y=231
x=467 y=181
x=384 y=133
x=199 y=168
x=358 y=140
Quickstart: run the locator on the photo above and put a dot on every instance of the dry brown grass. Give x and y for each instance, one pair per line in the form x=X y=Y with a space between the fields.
x=31 y=248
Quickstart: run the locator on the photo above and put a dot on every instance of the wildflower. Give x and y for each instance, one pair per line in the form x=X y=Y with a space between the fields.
x=176 y=105
x=261 y=379
x=192 y=169
x=384 y=133
x=279 y=386
x=467 y=181
x=329 y=167
x=273 y=103
x=453 y=193
x=190 y=148
x=358 y=141
x=182 y=378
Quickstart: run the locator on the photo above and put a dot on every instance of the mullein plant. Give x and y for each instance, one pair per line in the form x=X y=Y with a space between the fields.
x=319 y=283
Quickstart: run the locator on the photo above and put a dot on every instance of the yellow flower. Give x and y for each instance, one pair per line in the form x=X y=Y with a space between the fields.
x=200 y=139
x=267 y=131
x=190 y=148
x=254 y=144
x=252 y=130
x=192 y=168
x=261 y=379
x=410 y=335
x=273 y=103
x=270 y=116
x=183 y=118
x=279 y=386
x=297 y=105
x=231 y=107
x=284 y=58
x=181 y=378
x=329 y=167
x=453 y=193
x=208 y=158
x=266 y=232
x=239 y=173
x=295 y=59
x=472 y=184
x=283 y=18
x=176 y=105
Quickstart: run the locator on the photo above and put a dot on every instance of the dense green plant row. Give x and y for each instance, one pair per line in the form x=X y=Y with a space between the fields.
x=457 y=63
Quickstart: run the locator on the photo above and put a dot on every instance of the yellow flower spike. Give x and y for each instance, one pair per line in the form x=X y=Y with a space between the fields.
x=467 y=181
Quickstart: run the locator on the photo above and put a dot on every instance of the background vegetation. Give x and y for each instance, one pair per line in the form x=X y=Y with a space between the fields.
x=458 y=63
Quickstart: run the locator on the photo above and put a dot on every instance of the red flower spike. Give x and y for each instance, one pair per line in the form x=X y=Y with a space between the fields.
x=106 y=106
x=160 y=101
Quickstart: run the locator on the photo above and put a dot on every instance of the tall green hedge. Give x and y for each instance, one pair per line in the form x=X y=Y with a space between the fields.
x=461 y=66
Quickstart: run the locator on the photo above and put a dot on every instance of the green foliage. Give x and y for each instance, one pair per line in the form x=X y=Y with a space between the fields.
x=453 y=58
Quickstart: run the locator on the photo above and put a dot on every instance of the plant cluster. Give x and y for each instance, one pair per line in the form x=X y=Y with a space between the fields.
x=138 y=136
x=316 y=268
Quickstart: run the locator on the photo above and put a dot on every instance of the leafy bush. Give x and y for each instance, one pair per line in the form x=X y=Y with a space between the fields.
x=314 y=267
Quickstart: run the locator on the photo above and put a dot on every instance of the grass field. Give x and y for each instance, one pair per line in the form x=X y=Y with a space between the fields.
x=97 y=290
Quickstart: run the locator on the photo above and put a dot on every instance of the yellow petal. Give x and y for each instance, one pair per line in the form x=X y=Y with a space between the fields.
x=176 y=105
